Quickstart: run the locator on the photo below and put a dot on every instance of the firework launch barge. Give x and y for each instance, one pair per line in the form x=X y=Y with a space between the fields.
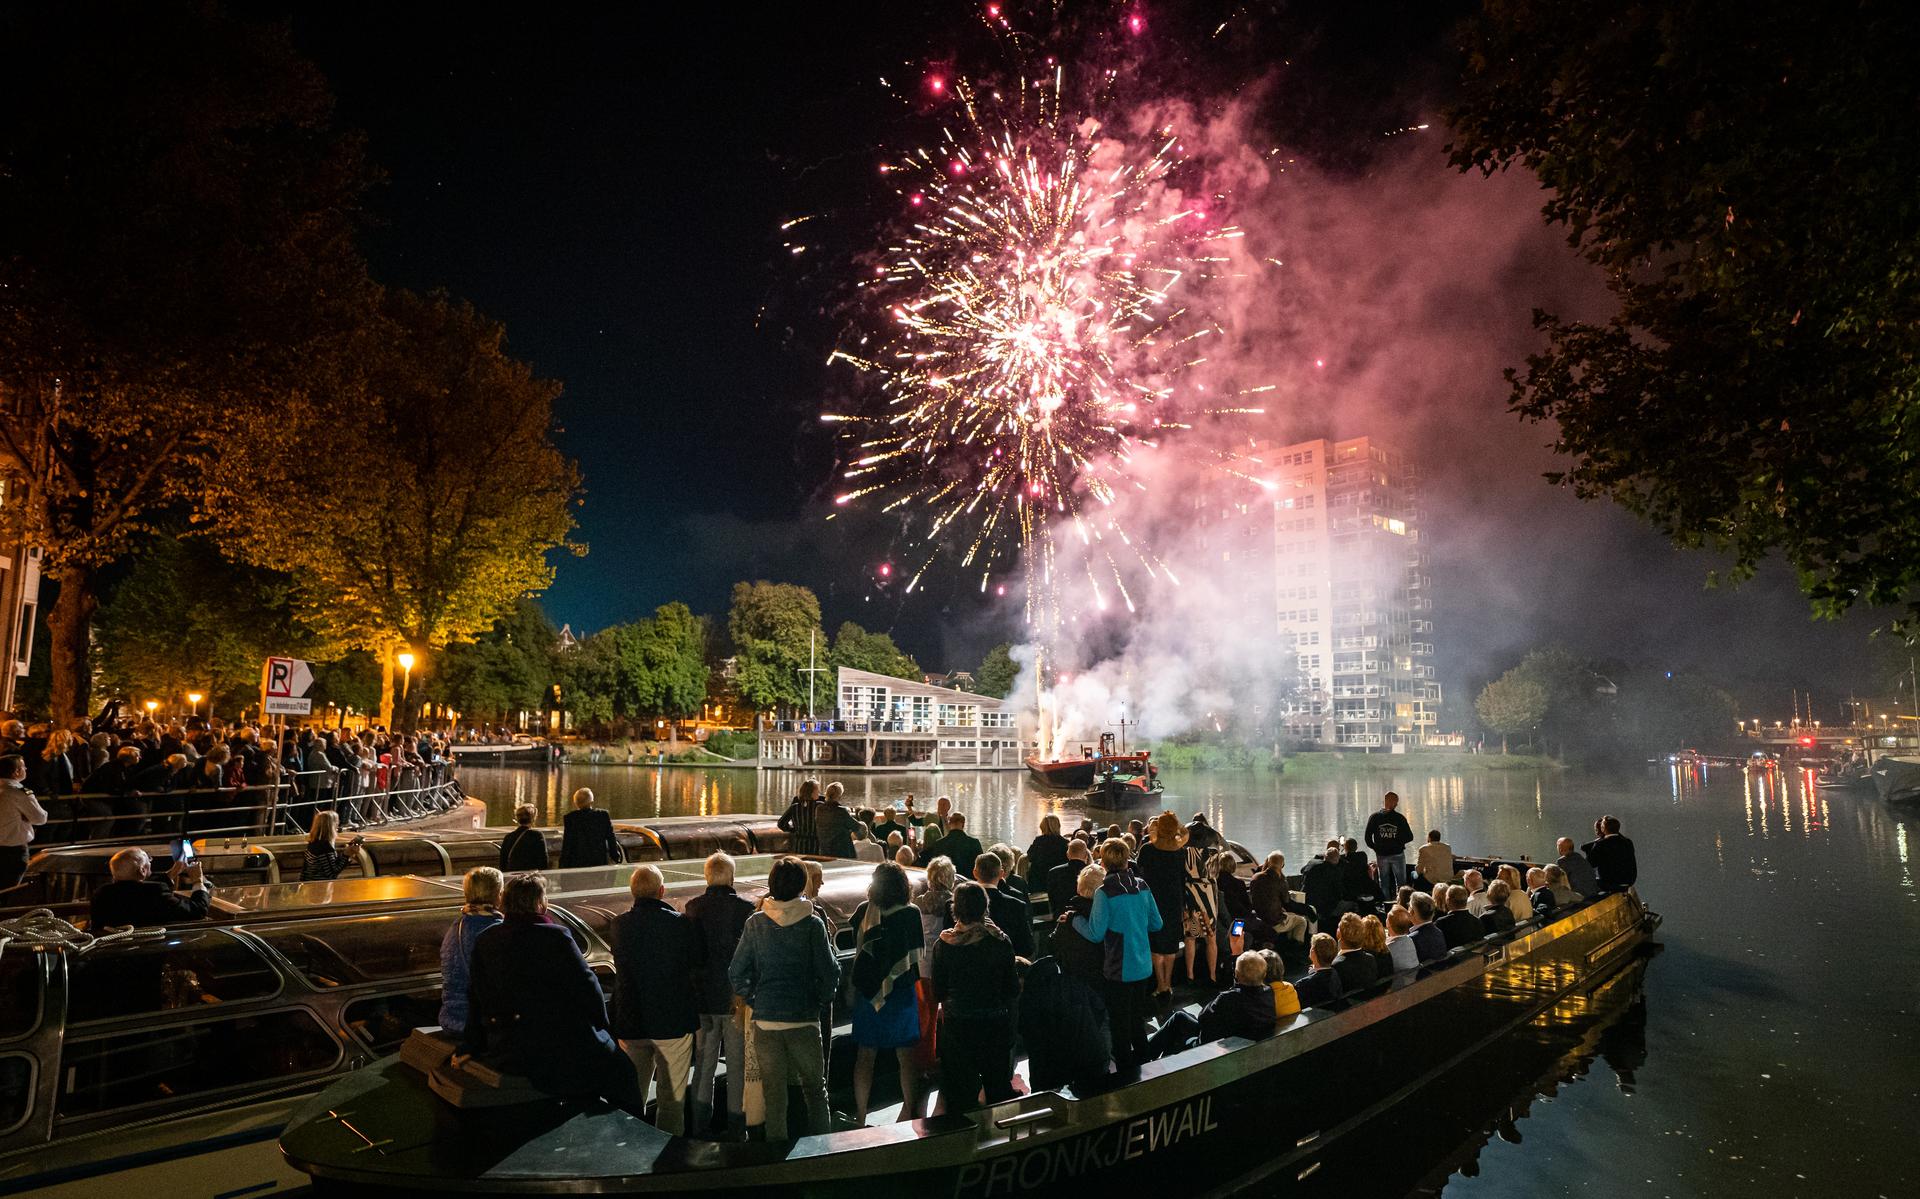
x=1226 y=1115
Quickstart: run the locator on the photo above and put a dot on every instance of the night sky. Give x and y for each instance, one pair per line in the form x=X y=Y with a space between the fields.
x=609 y=183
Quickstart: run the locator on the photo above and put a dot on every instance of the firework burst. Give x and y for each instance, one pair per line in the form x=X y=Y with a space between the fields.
x=1039 y=322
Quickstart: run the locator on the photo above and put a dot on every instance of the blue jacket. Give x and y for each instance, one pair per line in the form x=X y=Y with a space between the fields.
x=1124 y=912
x=456 y=956
x=784 y=967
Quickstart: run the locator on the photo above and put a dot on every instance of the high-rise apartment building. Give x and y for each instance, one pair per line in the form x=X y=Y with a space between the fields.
x=1334 y=549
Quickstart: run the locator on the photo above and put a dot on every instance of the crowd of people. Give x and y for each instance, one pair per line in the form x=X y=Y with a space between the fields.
x=951 y=980
x=114 y=778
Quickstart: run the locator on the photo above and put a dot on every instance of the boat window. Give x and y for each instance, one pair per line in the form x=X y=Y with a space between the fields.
x=342 y=953
x=187 y=969
x=19 y=993
x=405 y=857
x=182 y=1060
x=384 y=1021
x=597 y=916
x=16 y=1091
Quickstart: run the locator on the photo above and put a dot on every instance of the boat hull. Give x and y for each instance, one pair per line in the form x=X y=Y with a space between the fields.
x=1231 y=1113
x=1897 y=779
x=1077 y=774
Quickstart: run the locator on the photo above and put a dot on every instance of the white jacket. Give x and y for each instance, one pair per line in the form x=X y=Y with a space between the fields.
x=20 y=813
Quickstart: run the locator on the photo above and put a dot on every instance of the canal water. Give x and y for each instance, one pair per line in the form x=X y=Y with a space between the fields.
x=1769 y=1048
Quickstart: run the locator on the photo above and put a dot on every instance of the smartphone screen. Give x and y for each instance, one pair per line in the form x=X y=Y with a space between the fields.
x=1239 y=928
x=182 y=851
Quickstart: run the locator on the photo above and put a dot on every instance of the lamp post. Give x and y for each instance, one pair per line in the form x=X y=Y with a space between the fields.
x=405 y=658
x=153 y=705
x=194 y=698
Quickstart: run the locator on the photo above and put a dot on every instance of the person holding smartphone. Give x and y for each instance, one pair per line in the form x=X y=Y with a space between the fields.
x=135 y=899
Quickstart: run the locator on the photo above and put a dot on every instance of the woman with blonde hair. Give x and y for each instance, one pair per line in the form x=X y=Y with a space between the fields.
x=525 y=848
x=481 y=887
x=1162 y=865
x=1048 y=850
x=325 y=857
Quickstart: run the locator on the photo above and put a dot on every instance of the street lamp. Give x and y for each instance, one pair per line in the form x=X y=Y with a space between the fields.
x=405 y=658
x=194 y=698
x=153 y=705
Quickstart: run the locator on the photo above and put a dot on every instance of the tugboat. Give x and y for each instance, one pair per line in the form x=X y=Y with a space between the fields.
x=1121 y=782
x=1077 y=774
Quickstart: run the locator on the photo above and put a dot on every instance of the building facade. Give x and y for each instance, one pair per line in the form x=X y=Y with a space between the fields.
x=1333 y=548
x=19 y=606
x=886 y=723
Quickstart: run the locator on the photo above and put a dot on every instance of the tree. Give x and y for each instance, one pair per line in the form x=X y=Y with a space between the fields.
x=185 y=619
x=771 y=625
x=658 y=665
x=505 y=670
x=176 y=249
x=857 y=649
x=1744 y=176
x=1662 y=712
x=1512 y=704
x=421 y=505
x=997 y=672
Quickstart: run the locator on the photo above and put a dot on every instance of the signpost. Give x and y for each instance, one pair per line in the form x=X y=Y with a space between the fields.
x=284 y=683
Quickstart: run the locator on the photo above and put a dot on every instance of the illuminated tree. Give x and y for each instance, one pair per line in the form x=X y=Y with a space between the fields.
x=770 y=624
x=997 y=672
x=1512 y=704
x=857 y=649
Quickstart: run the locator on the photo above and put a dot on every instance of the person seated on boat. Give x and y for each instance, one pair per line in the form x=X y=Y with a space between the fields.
x=959 y=845
x=1356 y=967
x=1563 y=894
x=1286 y=1000
x=887 y=822
x=658 y=954
x=886 y=966
x=1325 y=884
x=1428 y=940
x=1243 y=1010
x=1322 y=984
x=535 y=1010
x=1404 y=897
x=1434 y=862
x=1273 y=902
x=1063 y=1019
x=1615 y=868
x=1578 y=870
x=865 y=848
x=1062 y=880
x=525 y=848
x=1361 y=892
x=586 y=835
x=904 y=856
x=480 y=890
x=975 y=983
x=1203 y=835
x=797 y=821
x=1459 y=926
x=1122 y=921
x=135 y=899
x=326 y=856
x=1373 y=938
x=1045 y=852
x=1236 y=903
x=1498 y=916
x=1519 y=901
x=785 y=970
x=1400 y=946
x=1012 y=877
x=1540 y=894
x=1478 y=897
x=719 y=916
x=1005 y=909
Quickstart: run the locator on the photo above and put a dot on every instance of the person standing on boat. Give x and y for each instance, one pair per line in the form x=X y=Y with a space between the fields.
x=797 y=820
x=657 y=953
x=959 y=846
x=1124 y=918
x=1326 y=886
x=1005 y=909
x=886 y=967
x=1064 y=879
x=20 y=814
x=586 y=836
x=326 y=856
x=525 y=848
x=719 y=915
x=833 y=825
x=975 y=981
x=1615 y=868
x=1388 y=836
x=785 y=970
x=480 y=912
x=1047 y=851
x=1162 y=865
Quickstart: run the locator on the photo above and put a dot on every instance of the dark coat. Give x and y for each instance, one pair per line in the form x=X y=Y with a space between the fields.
x=718 y=915
x=1075 y=954
x=1498 y=918
x=1243 y=1011
x=1429 y=942
x=144 y=903
x=1460 y=927
x=658 y=953
x=586 y=839
x=1318 y=988
x=1063 y=883
x=523 y=850
x=1357 y=883
x=534 y=1009
x=1014 y=917
x=833 y=825
x=1357 y=970
x=1269 y=893
x=798 y=823
x=1047 y=851
x=1615 y=868
x=960 y=848
x=1325 y=885
x=1388 y=833
x=1063 y=1021
x=975 y=979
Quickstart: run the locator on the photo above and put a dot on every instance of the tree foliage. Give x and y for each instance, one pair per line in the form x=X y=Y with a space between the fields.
x=1744 y=174
x=857 y=649
x=505 y=670
x=770 y=625
x=1513 y=704
x=176 y=252
x=997 y=672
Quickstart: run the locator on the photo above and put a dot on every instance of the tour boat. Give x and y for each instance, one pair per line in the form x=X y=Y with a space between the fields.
x=1077 y=774
x=1216 y=1118
x=1897 y=778
x=1122 y=783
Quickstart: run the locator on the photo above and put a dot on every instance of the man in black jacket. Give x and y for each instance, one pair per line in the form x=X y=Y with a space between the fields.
x=134 y=898
x=1615 y=867
x=657 y=953
x=1006 y=909
x=1459 y=926
x=718 y=916
x=1063 y=1020
x=1388 y=836
x=1326 y=885
x=974 y=980
x=1244 y=1010
x=534 y=1008
x=1063 y=881
x=586 y=836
